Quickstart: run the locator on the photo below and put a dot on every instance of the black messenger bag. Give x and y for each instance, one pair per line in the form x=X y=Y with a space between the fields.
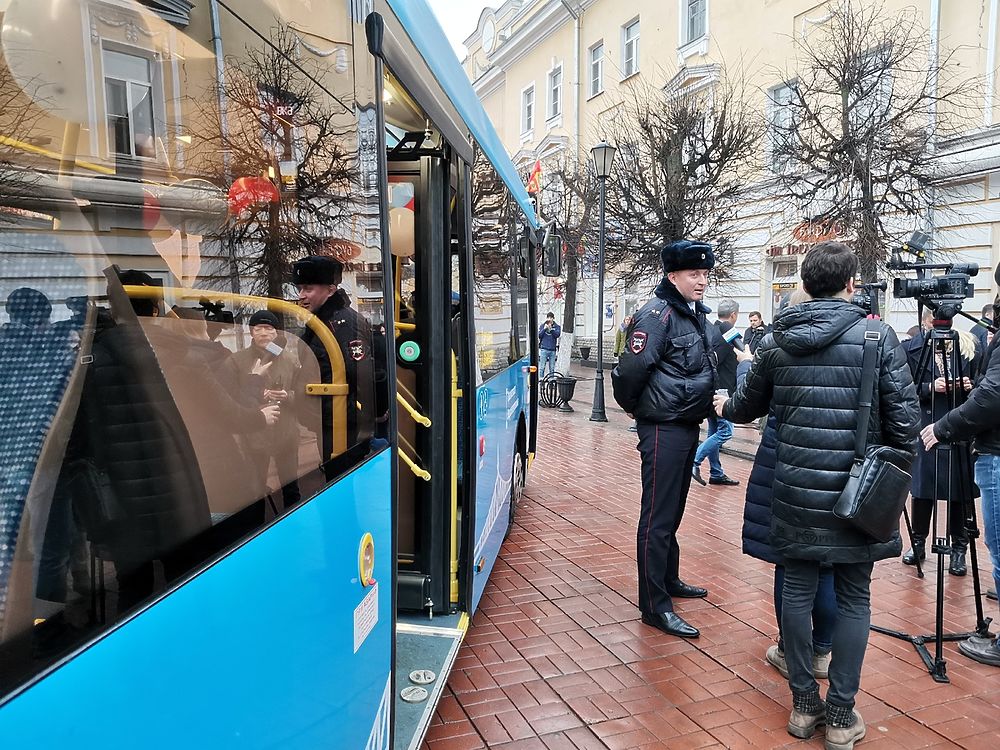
x=879 y=482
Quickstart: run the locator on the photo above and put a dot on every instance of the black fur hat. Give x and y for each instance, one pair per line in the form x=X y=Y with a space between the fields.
x=681 y=255
x=265 y=317
x=317 y=269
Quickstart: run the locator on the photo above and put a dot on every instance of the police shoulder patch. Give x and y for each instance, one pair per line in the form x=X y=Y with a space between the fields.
x=637 y=343
x=357 y=349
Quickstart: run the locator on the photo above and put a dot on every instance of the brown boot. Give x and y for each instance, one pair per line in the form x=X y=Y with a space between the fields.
x=803 y=725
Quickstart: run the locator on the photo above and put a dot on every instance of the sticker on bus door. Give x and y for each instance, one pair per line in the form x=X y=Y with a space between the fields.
x=365 y=617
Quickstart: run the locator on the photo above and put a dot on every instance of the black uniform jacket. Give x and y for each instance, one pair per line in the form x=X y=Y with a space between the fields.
x=667 y=371
x=808 y=371
x=978 y=416
x=353 y=334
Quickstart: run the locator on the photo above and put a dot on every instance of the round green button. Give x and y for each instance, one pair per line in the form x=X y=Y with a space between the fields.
x=409 y=351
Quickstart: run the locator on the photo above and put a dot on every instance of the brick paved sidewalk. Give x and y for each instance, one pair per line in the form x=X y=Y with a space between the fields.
x=557 y=658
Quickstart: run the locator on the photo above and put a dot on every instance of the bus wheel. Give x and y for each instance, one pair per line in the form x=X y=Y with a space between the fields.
x=516 y=486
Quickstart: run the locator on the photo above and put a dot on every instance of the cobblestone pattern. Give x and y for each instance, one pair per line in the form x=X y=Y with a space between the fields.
x=557 y=658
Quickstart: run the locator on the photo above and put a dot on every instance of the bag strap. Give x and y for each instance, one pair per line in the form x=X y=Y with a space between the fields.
x=873 y=333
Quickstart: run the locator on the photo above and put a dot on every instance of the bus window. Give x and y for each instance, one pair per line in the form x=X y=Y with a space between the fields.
x=159 y=402
x=493 y=238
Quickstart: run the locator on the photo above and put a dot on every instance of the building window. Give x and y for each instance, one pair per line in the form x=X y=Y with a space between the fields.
x=597 y=69
x=528 y=110
x=630 y=48
x=128 y=91
x=784 y=269
x=695 y=14
x=782 y=126
x=555 y=92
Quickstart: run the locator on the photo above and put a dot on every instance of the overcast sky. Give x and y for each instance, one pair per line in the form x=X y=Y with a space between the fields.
x=458 y=19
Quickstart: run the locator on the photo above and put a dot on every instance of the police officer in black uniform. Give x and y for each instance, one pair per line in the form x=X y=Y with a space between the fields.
x=318 y=279
x=665 y=378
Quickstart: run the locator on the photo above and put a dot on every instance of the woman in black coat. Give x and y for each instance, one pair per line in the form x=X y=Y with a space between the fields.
x=932 y=470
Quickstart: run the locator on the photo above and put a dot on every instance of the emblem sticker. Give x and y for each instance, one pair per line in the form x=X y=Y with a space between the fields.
x=357 y=349
x=638 y=342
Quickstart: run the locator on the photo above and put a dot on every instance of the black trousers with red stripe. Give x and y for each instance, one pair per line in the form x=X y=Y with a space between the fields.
x=667 y=452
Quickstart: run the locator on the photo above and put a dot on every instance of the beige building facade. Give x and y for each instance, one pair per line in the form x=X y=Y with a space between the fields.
x=550 y=73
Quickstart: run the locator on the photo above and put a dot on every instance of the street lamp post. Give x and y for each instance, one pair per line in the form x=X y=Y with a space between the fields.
x=604 y=155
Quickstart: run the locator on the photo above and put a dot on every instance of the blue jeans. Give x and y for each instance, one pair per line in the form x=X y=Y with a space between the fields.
x=988 y=479
x=824 y=612
x=546 y=359
x=719 y=432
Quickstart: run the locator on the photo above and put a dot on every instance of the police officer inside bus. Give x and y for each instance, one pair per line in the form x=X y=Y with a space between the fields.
x=665 y=378
x=318 y=279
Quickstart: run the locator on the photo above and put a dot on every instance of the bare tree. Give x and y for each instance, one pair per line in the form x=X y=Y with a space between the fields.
x=569 y=198
x=283 y=122
x=684 y=159
x=853 y=139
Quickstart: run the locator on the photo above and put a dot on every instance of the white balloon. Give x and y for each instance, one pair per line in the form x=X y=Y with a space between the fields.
x=401 y=232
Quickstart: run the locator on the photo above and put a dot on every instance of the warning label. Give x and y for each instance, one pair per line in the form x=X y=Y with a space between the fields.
x=365 y=617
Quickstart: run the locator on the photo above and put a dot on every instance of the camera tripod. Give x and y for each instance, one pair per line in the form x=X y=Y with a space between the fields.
x=941 y=352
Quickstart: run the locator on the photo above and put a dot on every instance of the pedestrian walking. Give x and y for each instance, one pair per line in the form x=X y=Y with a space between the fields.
x=720 y=431
x=809 y=374
x=665 y=379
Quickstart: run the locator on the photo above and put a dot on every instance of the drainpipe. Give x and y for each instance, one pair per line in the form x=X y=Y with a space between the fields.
x=935 y=34
x=577 y=31
x=991 y=62
x=222 y=103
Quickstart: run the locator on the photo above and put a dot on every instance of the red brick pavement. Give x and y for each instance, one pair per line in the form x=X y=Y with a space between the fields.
x=557 y=658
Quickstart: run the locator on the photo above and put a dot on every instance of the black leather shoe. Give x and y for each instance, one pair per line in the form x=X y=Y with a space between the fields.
x=957 y=566
x=991 y=594
x=670 y=623
x=683 y=591
x=696 y=473
x=723 y=480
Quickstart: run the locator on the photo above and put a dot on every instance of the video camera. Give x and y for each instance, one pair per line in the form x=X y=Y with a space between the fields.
x=954 y=285
x=866 y=296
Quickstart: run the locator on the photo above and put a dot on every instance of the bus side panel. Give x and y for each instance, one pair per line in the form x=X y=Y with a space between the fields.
x=500 y=403
x=273 y=646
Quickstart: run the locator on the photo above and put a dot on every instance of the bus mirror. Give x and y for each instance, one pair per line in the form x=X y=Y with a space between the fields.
x=552 y=256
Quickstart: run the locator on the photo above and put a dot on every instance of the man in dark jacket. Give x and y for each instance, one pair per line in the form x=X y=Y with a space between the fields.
x=720 y=431
x=665 y=378
x=976 y=420
x=756 y=332
x=318 y=280
x=548 y=345
x=809 y=375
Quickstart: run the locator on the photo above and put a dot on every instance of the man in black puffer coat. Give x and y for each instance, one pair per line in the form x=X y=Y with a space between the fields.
x=809 y=375
x=665 y=379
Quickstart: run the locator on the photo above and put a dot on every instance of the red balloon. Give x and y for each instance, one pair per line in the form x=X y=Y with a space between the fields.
x=251 y=191
x=150 y=211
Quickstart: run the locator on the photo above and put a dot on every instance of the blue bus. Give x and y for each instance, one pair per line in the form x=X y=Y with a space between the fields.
x=226 y=521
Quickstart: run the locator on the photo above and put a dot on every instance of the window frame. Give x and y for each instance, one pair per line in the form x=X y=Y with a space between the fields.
x=687 y=18
x=634 y=42
x=553 y=94
x=599 y=63
x=155 y=98
x=776 y=107
x=527 y=119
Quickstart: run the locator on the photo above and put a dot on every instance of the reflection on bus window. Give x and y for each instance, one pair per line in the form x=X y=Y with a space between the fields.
x=159 y=399
x=494 y=237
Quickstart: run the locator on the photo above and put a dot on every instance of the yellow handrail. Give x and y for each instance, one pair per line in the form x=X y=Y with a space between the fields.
x=422 y=473
x=337 y=389
x=414 y=414
x=405 y=326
